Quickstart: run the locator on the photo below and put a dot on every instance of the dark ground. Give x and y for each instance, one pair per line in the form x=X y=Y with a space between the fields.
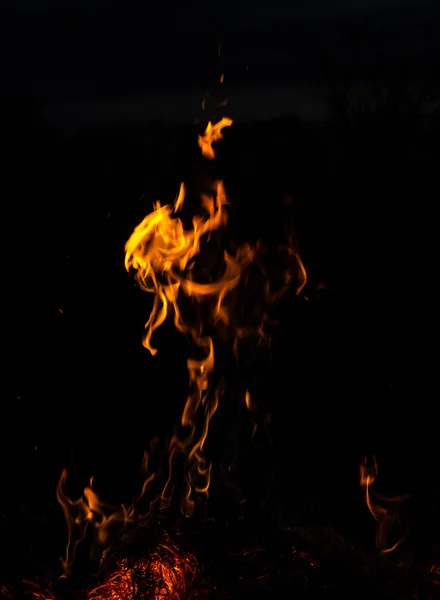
x=350 y=376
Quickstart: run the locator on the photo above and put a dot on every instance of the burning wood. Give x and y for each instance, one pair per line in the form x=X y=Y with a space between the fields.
x=165 y=574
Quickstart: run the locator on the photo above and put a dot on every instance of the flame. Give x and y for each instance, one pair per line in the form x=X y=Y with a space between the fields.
x=165 y=258
x=163 y=254
x=212 y=134
x=161 y=251
x=295 y=269
x=253 y=410
x=90 y=513
x=384 y=513
x=259 y=420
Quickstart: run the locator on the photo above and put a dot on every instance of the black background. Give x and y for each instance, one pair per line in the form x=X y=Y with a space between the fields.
x=353 y=371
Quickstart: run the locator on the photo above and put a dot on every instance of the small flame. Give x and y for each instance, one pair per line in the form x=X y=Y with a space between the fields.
x=212 y=134
x=253 y=410
x=384 y=513
x=295 y=269
x=85 y=513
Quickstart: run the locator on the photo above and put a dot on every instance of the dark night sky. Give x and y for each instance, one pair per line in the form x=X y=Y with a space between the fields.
x=83 y=53
x=200 y=9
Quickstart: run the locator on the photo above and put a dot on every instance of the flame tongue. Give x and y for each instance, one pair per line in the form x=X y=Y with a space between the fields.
x=89 y=511
x=385 y=510
x=160 y=250
x=212 y=134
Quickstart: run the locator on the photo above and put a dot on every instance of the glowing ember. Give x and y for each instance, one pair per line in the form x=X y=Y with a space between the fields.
x=166 y=574
x=306 y=556
x=6 y=592
x=36 y=593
